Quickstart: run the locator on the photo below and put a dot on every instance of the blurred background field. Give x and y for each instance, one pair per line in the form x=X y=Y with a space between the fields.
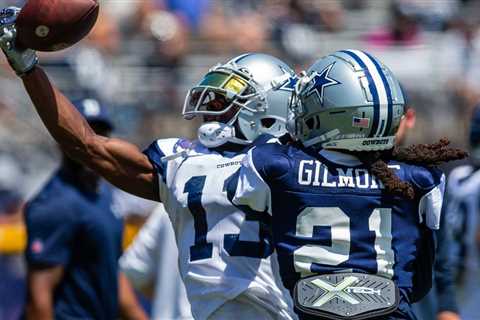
x=143 y=55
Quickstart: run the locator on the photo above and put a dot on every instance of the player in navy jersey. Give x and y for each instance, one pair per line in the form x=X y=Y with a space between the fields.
x=224 y=252
x=352 y=215
x=462 y=213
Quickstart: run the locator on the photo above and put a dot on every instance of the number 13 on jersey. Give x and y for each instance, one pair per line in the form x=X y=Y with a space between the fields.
x=202 y=249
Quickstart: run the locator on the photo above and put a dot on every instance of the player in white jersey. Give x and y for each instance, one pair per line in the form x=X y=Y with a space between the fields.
x=143 y=263
x=146 y=265
x=239 y=101
x=224 y=251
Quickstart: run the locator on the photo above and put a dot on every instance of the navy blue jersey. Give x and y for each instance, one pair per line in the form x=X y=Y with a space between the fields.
x=77 y=230
x=329 y=214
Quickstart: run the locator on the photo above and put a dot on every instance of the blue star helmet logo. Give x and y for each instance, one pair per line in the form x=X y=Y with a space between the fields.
x=321 y=81
x=290 y=82
x=289 y=85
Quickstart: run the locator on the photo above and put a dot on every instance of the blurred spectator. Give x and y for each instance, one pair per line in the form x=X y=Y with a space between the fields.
x=463 y=215
x=440 y=303
x=403 y=30
x=91 y=61
x=298 y=26
x=193 y=11
x=431 y=15
x=460 y=51
x=74 y=242
x=12 y=234
x=11 y=190
x=131 y=207
x=145 y=265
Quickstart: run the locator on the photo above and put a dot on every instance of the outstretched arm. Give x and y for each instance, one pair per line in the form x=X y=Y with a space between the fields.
x=116 y=160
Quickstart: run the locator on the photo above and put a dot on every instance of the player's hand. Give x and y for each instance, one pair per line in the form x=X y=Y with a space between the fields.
x=448 y=315
x=21 y=60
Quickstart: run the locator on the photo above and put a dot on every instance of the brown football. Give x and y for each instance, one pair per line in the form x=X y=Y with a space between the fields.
x=51 y=25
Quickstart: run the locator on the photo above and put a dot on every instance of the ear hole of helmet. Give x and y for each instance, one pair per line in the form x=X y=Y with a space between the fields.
x=268 y=122
x=313 y=122
x=310 y=123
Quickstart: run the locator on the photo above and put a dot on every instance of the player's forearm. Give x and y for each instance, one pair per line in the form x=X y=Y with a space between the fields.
x=40 y=303
x=41 y=284
x=63 y=121
x=129 y=306
x=35 y=311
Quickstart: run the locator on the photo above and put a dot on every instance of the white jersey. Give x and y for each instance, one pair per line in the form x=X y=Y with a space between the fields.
x=151 y=259
x=224 y=251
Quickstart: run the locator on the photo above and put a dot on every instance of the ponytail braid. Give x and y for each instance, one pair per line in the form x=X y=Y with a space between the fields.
x=418 y=154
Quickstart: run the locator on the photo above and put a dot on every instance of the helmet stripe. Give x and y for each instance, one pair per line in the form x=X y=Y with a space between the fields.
x=373 y=90
x=237 y=59
x=389 y=93
x=381 y=89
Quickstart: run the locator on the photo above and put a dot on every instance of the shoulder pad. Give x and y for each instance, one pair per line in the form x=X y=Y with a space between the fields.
x=270 y=161
x=426 y=178
x=264 y=139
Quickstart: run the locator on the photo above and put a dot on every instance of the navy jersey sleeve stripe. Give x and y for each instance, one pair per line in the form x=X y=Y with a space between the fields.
x=155 y=155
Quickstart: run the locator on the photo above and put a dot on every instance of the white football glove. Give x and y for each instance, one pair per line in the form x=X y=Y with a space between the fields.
x=21 y=60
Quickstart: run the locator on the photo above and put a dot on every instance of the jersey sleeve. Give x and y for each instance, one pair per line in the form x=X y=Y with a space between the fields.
x=158 y=150
x=160 y=153
x=247 y=187
x=431 y=185
x=139 y=262
x=51 y=231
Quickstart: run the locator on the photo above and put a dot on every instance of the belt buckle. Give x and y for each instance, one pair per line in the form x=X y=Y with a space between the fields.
x=352 y=296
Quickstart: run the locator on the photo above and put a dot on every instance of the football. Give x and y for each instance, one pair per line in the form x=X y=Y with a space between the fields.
x=51 y=25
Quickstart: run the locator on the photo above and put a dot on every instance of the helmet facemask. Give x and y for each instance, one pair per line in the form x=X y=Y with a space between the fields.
x=230 y=88
x=225 y=93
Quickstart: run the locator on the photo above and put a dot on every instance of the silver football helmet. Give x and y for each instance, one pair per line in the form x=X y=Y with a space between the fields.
x=347 y=100
x=242 y=99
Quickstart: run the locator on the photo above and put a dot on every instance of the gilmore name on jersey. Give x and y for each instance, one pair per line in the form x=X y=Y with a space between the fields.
x=314 y=173
x=329 y=214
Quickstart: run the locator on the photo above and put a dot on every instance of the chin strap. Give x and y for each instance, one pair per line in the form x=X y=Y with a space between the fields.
x=214 y=134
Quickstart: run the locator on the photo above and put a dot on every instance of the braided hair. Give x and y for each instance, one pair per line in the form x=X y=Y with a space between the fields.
x=418 y=154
